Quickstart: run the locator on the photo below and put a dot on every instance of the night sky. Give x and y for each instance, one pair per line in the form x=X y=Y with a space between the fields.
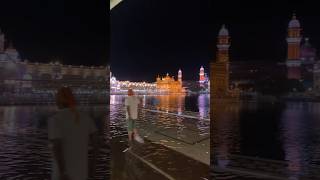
x=150 y=37
x=74 y=33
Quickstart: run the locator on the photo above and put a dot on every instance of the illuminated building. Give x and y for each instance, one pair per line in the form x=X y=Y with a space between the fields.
x=168 y=84
x=299 y=64
x=16 y=73
x=308 y=56
x=121 y=87
x=301 y=57
x=163 y=85
x=220 y=68
x=202 y=77
x=293 y=57
x=180 y=75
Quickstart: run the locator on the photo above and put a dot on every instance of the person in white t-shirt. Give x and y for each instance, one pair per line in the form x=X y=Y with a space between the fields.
x=69 y=134
x=132 y=102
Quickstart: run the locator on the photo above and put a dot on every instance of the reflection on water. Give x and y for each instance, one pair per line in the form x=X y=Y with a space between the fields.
x=285 y=131
x=198 y=105
x=225 y=134
x=24 y=152
x=178 y=104
x=175 y=103
x=172 y=103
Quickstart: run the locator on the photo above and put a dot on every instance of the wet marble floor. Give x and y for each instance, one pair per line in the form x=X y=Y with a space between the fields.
x=177 y=146
x=150 y=160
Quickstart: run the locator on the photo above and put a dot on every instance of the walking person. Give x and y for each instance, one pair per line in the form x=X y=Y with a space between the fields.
x=69 y=132
x=132 y=102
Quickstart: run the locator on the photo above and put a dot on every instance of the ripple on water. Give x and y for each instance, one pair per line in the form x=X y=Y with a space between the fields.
x=149 y=120
x=24 y=151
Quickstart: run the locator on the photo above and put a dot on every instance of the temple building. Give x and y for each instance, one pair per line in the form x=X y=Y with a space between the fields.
x=168 y=84
x=202 y=77
x=300 y=63
x=293 y=57
x=180 y=75
x=301 y=58
x=220 y=86
x=122 y=87
x=16 y=73
x=308 y=56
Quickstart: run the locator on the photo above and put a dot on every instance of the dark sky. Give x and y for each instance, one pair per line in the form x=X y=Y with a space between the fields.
x=74 y=32
x=150 y=37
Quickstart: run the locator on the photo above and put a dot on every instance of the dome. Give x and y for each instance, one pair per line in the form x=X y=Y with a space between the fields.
x=307 y=52
x=294 y=23
x=223 y=31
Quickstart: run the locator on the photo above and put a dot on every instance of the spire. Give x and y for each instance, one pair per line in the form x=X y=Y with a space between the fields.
x=294 y=23
x=179 y=75
x=223 y=31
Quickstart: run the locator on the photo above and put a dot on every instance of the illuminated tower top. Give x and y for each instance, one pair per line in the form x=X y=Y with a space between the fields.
x=294 y=39
x=223 y=45
x=202 y=77
x=293 y=57
x=223 y=31
x=294 y=23
x=180 y=75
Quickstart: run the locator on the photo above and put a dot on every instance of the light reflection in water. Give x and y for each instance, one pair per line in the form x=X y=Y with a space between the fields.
x=151 y=121
x=173 y=103
x=203 y=104
x=24 y=148
x=282 y=131
x=112 y=99
x=291 y=119
x=225 y=134
x=144 y=101
x=178 y=103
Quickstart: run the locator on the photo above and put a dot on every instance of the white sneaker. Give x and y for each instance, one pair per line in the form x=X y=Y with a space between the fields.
x=138 y=139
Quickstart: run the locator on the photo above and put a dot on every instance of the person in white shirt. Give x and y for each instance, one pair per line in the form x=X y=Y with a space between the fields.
x=69 y=133
x=132 y=102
